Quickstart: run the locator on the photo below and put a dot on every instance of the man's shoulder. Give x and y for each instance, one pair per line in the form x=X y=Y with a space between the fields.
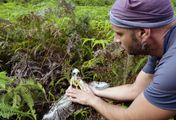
x=165 y=74
x=162 y=90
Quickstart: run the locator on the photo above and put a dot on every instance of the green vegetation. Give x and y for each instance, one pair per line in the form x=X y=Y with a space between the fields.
x=17 y=100
x=41 y=41
x=174 y=3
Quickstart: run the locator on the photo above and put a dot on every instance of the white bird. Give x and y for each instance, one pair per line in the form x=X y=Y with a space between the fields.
x=64 y=107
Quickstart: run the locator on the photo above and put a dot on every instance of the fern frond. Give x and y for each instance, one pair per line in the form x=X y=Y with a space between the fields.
x=92 y=62
x=31 y=85
x=103 y=43
x=3 y=80
x=27 y=97
x=7 y=111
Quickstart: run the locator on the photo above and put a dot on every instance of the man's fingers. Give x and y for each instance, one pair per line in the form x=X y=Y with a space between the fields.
x=70 y=89
x=74 y=100
x=71 y=94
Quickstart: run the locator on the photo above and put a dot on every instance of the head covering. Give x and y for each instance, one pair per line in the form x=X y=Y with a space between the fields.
x=142 y=13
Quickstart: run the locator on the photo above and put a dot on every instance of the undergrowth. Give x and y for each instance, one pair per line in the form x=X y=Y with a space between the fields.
x=41 y=41
x=17 y=99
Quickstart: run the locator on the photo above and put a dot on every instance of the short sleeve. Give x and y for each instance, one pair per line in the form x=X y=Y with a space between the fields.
x=162 y=90
x=150 y=65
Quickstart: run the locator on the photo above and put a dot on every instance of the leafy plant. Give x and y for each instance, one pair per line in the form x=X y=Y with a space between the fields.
x=94 y=43
x=174 y=3
x=81 y=114
x=15 y=97
x=94 y=2
x=44 y=40
x=7 y=111
x=98 y=14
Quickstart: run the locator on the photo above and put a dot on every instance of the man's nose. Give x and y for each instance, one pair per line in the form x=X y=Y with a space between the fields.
x=117 y=39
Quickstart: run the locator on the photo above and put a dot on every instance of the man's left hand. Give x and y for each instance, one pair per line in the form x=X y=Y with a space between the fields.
x=82 y=97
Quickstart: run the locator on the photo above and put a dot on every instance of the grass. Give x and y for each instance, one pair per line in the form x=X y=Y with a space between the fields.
x=94 y=12
x=11 y=11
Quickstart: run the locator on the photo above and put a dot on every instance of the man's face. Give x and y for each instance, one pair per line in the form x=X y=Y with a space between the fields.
x=128 y=41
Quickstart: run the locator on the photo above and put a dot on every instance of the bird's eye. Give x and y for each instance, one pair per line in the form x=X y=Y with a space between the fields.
x=73 y=74
x=78 y=74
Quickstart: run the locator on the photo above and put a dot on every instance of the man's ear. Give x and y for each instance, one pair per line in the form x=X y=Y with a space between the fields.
x=144 y=34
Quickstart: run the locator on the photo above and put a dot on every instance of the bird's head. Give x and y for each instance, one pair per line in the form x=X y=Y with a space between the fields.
x=75 y=79
x=75 y=73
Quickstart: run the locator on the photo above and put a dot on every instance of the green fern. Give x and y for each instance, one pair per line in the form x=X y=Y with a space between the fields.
x=94 y=42
x=13 y=102
x=81 y=114
x=6 y=111
x=92 y=63
x=102 y=43
x=139 y=65
x=3 y=80
x=27 y=97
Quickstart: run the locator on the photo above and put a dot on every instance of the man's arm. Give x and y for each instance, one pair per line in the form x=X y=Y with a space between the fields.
x=140 y=109
x=128 y=91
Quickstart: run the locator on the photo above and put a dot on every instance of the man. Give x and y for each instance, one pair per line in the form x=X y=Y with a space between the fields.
x=145 y=27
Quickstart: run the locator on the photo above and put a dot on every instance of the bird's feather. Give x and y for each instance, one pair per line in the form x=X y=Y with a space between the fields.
x=64 y=107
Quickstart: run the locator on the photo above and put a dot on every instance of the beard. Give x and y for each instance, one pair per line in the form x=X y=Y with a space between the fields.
x=138 y=48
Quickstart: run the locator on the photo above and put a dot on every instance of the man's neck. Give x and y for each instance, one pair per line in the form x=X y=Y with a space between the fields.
x=158 y=38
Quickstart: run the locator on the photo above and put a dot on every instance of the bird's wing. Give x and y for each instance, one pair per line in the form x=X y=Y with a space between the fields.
x=60 y=110
x=99 y=85
x=63 y=108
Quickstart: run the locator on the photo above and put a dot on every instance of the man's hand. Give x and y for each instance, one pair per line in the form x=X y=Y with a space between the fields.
x=82 y=97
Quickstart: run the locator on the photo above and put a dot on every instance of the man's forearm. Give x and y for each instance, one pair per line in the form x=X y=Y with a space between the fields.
x=128 y=91
x=109 y=111
x=122 y=93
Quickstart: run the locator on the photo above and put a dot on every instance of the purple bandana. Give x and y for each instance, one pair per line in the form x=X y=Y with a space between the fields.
x=142 y=13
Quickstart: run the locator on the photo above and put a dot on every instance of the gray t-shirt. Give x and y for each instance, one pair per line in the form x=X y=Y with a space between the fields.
x=162 y=90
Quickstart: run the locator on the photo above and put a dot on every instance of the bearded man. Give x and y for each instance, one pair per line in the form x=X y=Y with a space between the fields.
x=142 y=27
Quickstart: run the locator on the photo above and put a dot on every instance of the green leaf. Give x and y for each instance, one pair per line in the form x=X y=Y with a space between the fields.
x=3 y=80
